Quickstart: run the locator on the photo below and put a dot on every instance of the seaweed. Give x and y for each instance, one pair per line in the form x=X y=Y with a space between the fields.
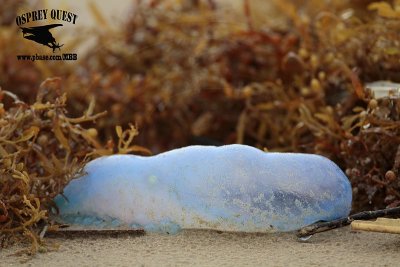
x=41 y=150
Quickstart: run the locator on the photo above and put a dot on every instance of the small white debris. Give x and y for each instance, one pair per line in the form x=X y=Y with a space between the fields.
x=384 y=88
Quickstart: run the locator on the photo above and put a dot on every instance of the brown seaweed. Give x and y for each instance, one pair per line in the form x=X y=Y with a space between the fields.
x=41 y=150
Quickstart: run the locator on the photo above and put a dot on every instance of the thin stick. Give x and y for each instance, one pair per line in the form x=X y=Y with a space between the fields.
x=326 y=226
x=247 y=13
x=381 y=225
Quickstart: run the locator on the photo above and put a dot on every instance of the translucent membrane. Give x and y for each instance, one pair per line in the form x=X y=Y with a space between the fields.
x=228 y=188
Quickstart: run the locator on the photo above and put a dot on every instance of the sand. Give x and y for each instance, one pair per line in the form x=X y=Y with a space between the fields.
x=340 y=247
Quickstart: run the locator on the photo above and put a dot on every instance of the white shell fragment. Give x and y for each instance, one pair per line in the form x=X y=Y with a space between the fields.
x=384 y=88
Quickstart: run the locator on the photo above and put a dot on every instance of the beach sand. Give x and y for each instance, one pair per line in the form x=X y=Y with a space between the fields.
x=341 y=247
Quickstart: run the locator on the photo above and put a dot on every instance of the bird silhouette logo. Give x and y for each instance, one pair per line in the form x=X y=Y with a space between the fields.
x=42 y=35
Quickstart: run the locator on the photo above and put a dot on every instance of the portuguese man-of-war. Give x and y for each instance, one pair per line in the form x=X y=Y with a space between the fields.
x=228 y=188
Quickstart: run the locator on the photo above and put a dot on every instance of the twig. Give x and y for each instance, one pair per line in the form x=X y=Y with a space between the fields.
x=247 y=13
x=326 y=226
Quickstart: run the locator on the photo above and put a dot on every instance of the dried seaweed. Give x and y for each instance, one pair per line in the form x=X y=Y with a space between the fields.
x=41 y=150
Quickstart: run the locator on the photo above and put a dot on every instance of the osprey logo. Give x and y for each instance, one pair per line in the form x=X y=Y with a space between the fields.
x=42 y=35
